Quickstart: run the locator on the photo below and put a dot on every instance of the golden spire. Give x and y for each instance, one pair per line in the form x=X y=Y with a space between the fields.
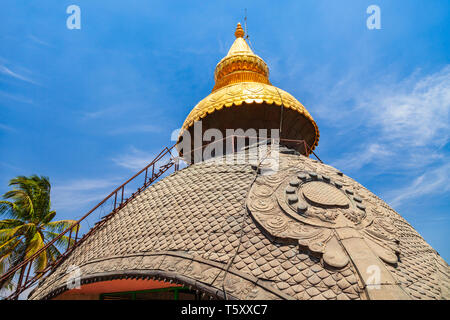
x=240 y=64
x=239 y=33
x=243 y=97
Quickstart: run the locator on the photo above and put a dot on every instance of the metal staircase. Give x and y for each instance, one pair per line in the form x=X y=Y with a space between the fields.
x=164 y=161
x=155 y=169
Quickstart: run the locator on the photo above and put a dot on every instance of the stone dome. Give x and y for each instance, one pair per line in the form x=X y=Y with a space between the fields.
x=228 y=230
x=286 y=227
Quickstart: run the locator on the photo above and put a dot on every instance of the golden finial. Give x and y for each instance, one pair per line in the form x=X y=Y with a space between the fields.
x=239 y=33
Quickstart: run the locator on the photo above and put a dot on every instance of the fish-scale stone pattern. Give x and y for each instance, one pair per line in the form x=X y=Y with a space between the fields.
x=183 y=212
x=201 y=211
x=296 y=273
x=189 y=211
x=420 y=271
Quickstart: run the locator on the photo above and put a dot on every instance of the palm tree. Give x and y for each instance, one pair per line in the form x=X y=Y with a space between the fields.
x=28 y=226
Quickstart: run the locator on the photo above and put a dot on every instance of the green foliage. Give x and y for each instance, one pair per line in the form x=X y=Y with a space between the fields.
x=28 y=225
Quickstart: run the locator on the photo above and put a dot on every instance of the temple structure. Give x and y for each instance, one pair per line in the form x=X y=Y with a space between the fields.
x=220 y=230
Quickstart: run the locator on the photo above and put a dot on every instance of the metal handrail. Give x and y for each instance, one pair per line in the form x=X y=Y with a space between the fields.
x=29 y=261
x=73 y=243
x=308 y=149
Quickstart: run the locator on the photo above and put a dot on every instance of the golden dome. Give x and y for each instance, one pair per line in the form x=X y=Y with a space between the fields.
x=243 y=97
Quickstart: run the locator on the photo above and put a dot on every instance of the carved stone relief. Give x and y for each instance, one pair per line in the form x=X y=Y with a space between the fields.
x=309 y=207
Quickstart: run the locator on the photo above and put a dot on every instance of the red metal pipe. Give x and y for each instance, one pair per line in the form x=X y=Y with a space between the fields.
x=28 y=272
x=70 y=238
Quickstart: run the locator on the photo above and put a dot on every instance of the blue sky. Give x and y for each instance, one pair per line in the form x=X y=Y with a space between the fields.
x=90 y=107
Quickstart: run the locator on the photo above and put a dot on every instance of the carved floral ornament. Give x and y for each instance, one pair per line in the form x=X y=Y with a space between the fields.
x=311 y=208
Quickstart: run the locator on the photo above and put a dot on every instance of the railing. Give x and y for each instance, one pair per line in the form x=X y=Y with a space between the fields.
x=150 y=173
x=232 y=140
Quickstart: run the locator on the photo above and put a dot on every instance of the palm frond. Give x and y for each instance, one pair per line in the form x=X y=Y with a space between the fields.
x=6 y=246
x=53 y=253
x=5 y=257
x=20 y=230
x=61 y=225
x=23 y=203
x=42 y=197
x=41 y=262
x=29 y=225
x=48 y=217
x=61 y=242
x=10 y=223
x=11 y=260
x=9 y=208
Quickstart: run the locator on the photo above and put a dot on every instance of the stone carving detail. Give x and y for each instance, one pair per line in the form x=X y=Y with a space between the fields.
x=203 y=272
x=238 y=287
x=175 y=264
x=152 y=262
x=324 y=194
x=318 y=200
x=309 y=206
x=334 y=255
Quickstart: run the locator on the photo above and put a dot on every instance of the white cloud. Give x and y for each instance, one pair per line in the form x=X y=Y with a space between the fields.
x=39 y=41
x=78 y=193
x=416 y=114
x=368 y=154
x=15 y=97
x=86 y=184
x=408 y=119
x=136 y=129
x=396 y=126
x=432 y=182
x=7 y=71
x=7 y=165
x=135 y=159
x=101 y=113
x=123 y=128
x=4 y=127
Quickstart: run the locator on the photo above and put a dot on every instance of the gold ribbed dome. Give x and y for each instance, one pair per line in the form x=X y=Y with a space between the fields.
x=244 y=98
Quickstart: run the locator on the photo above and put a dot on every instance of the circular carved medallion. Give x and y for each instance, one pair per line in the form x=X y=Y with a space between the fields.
x=324 y=194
